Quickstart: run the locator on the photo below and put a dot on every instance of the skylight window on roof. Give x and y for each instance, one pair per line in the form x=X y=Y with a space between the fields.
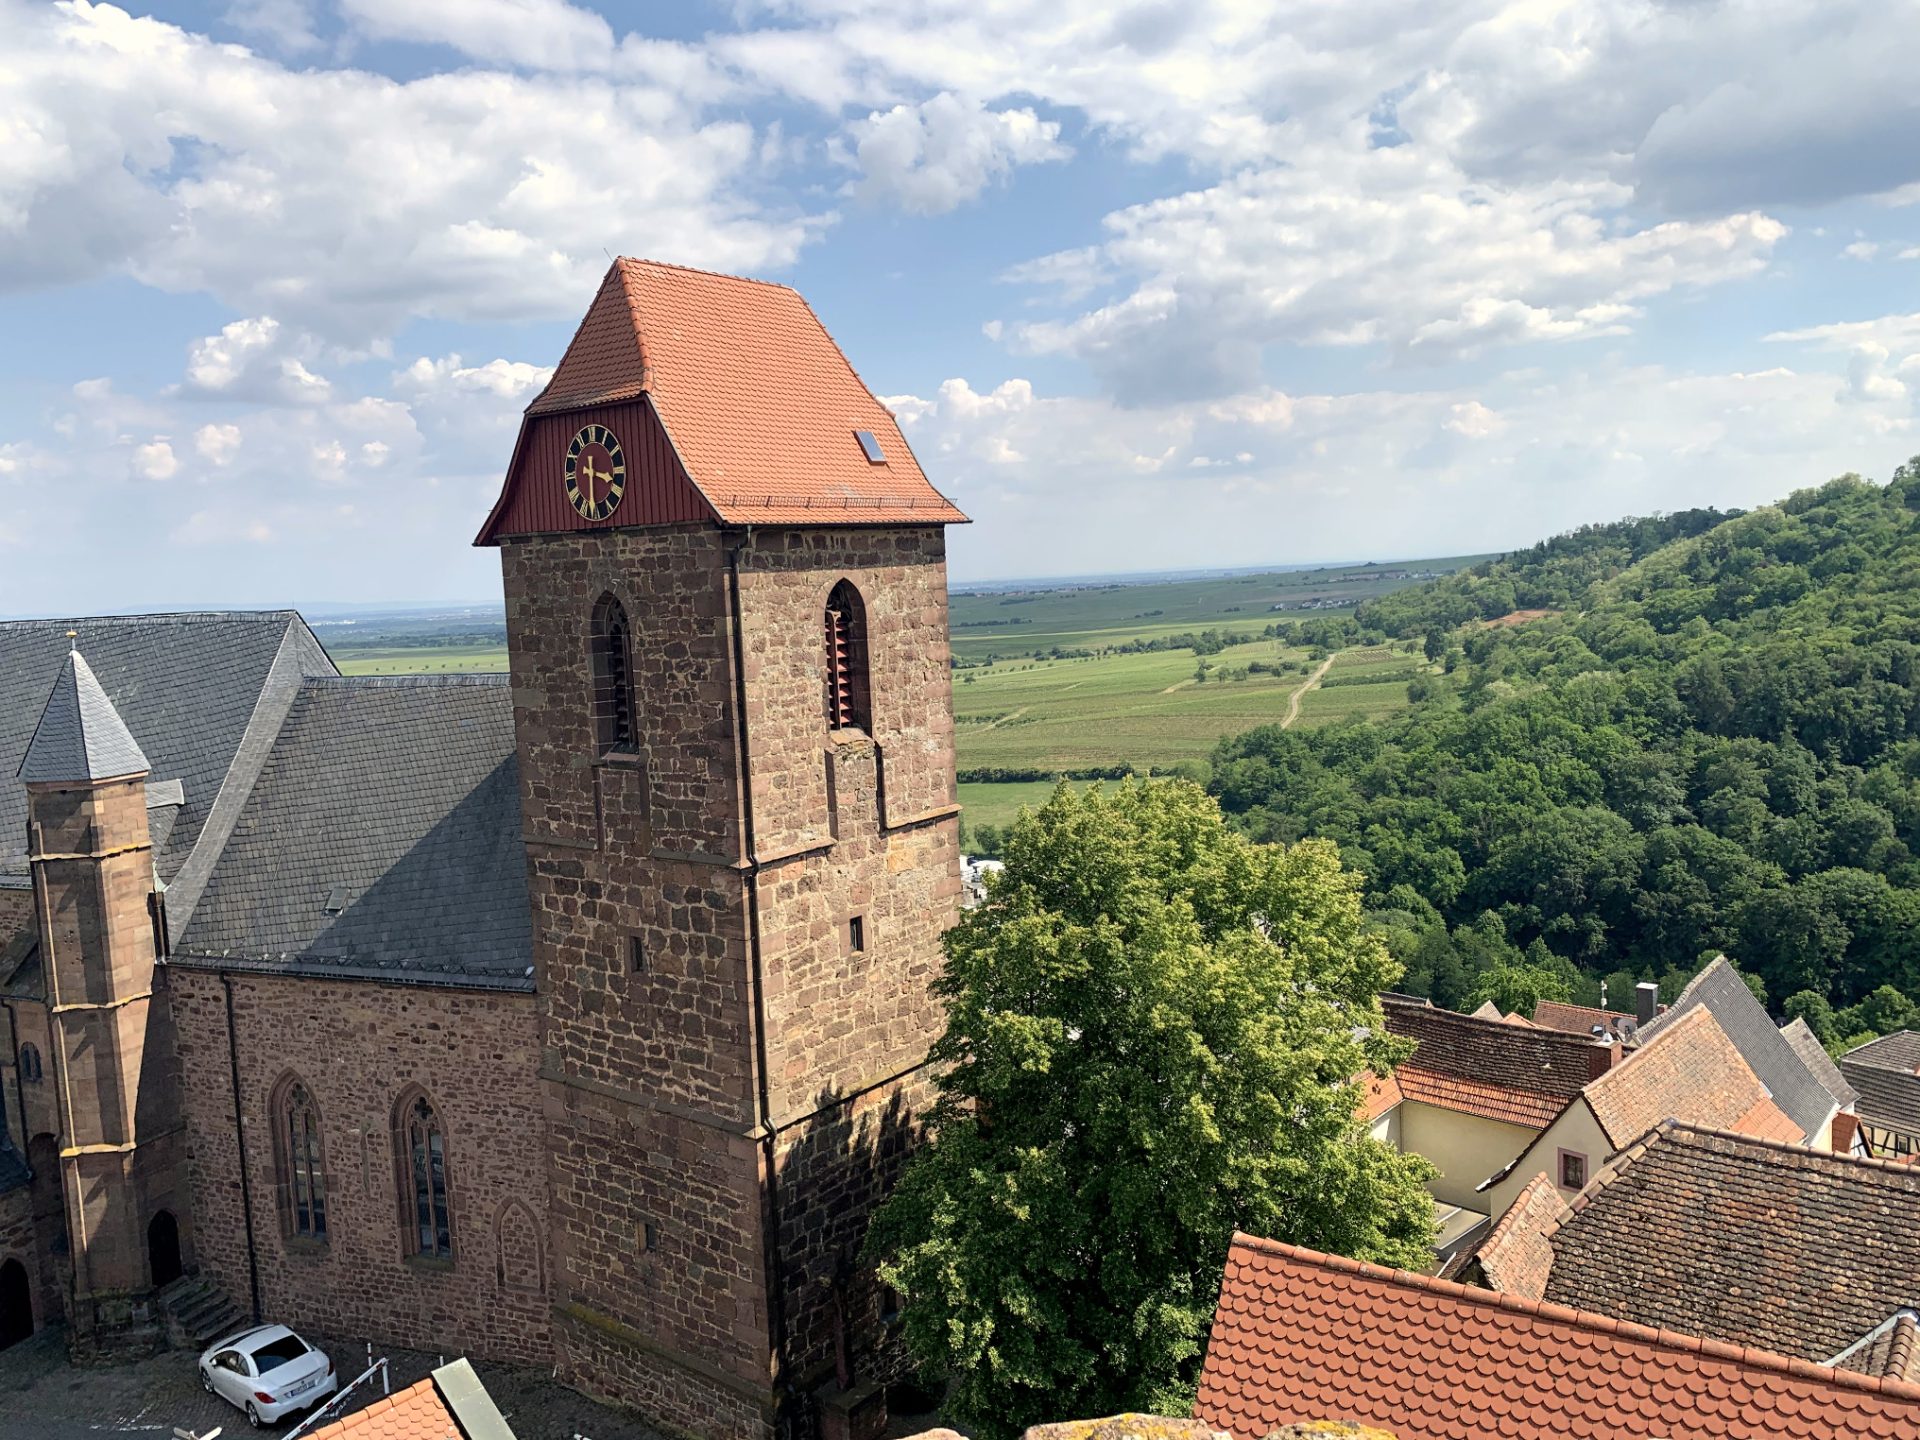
x=875 y=456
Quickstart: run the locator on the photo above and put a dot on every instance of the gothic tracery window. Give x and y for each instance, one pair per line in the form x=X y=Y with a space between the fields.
x=847 y=698
x=615 y=727
x=302 y=1165
x=424 y=1166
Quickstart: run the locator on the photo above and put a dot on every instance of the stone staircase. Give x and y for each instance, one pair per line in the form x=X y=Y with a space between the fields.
x=198 y=1312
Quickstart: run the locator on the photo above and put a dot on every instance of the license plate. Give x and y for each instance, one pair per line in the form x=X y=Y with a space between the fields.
x=304 y=1386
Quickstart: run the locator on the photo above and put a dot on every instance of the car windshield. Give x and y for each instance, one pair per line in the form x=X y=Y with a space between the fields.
x=275 y=1353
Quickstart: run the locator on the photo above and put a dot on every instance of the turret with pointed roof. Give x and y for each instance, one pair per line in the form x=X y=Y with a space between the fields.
x=80 y=735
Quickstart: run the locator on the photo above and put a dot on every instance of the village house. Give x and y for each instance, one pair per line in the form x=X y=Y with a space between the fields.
x=1886 y=1075
x=1470 y=1098
x=1301 y=1336
x=1750 y=1241
x=575 y=1017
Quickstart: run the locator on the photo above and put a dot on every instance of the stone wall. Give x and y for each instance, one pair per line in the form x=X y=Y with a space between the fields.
x=663 y=1126
x=16 y=912
x=358 y=1046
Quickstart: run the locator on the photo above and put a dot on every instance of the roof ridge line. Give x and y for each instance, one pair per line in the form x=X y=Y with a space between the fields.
x=342 y=682
x=1744 y=1355
x=626 y=260
x=1557 y=1037
x=1870 y=1162
x=173 y=617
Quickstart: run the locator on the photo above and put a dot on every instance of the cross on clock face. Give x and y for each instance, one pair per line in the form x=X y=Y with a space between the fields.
x=596 y=472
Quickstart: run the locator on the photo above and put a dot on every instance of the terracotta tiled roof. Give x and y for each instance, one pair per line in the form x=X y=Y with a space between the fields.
x=1690 y=1071
x=1478 y=1097
x=1516 y=1258
x=1749 y=1241
x=415 y=1413
x=1300 y=1335
x=758 y=400
x=1487 y=1067
x=1721 y=989
x=1891 y=1348
x=1580 y=1019
x=1377 y=1096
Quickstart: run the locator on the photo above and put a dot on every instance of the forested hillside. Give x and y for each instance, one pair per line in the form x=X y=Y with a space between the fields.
x=1710 y=741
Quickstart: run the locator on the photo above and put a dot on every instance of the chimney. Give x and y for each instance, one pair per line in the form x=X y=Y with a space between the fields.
x=1646 y=1001
x=1604 y=1056
x=1846 y=1130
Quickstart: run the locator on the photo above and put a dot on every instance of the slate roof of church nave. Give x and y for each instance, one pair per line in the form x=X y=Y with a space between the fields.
x=304 y=822
x=382 y=840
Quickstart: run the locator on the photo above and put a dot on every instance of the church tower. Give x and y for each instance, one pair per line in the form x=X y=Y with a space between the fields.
x=725 y=580
x=92 y=864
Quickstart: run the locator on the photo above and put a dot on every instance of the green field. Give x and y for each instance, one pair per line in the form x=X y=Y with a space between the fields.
x=1042 y=685
x=1085 y=617
x=420 y=659
x=1140 y=709
x=1379 y=696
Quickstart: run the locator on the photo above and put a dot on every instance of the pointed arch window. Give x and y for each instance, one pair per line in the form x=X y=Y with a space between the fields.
x=423 y=1167
x=847 y=698
x=303 y=1172
x=29 y=1062
x=615 y=726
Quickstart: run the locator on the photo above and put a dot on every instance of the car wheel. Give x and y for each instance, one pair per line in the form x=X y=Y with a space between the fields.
x=253 y=1416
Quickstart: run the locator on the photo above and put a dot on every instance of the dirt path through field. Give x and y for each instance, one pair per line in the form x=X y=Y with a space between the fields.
x=1006 y=719
x=1293 y=700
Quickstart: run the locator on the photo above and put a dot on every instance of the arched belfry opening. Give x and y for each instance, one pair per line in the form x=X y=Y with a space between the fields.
x=615 y=727
x=848 y=698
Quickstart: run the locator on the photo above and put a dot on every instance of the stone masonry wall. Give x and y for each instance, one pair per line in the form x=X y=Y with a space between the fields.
x=647 y=1053
x=16 y=912
x=358 y=1046
x=786 y=576
x=660 y=1275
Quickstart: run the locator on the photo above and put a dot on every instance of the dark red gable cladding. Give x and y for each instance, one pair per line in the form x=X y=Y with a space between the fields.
x=534 y=499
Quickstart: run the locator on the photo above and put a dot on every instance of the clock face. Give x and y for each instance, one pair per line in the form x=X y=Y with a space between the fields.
x=596 y=472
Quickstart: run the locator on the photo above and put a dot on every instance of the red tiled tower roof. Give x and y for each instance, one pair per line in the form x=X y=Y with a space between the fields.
x=760 y=403
x=1299 y=1335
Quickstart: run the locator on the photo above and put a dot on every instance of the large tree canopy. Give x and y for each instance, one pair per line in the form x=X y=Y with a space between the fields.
x=1153 y=1029
x=1710 y=743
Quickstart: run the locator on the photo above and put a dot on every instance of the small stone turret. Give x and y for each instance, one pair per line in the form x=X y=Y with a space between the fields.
x=92 y=860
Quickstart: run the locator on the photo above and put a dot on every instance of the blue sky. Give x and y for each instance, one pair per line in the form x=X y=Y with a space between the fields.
x=1151 y=285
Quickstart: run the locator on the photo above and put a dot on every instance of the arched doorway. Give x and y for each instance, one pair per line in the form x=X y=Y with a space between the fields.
x=163 y=1249
x=16 y=1304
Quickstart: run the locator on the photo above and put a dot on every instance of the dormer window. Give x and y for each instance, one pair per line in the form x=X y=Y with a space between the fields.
x=846 y=643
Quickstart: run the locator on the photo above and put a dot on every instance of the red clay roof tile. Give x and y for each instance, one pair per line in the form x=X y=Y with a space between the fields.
x=1299 y=1335
x=1691 y=1071
x=416 y=1413
x=757 y=398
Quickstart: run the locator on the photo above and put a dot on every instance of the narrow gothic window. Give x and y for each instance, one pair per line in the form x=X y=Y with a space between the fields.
x=846 y=637
x=613 y=708
x=303 y=1170
x=29 y=1062
x=424 y=1158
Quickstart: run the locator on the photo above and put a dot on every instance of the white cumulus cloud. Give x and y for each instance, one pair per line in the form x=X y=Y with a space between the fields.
x=938 y=155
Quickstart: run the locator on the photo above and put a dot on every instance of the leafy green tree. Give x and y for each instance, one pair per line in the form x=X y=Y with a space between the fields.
x=1814 y=1009
x=1517 y=988
x=1152 y=1030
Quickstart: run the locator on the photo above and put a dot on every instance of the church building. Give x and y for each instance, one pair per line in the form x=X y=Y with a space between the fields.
x=574 y=1017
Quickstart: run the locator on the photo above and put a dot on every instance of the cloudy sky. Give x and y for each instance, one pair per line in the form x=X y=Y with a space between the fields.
x=1152 y=285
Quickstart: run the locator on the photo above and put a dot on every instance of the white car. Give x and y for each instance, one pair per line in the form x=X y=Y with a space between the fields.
x=267 y=1371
